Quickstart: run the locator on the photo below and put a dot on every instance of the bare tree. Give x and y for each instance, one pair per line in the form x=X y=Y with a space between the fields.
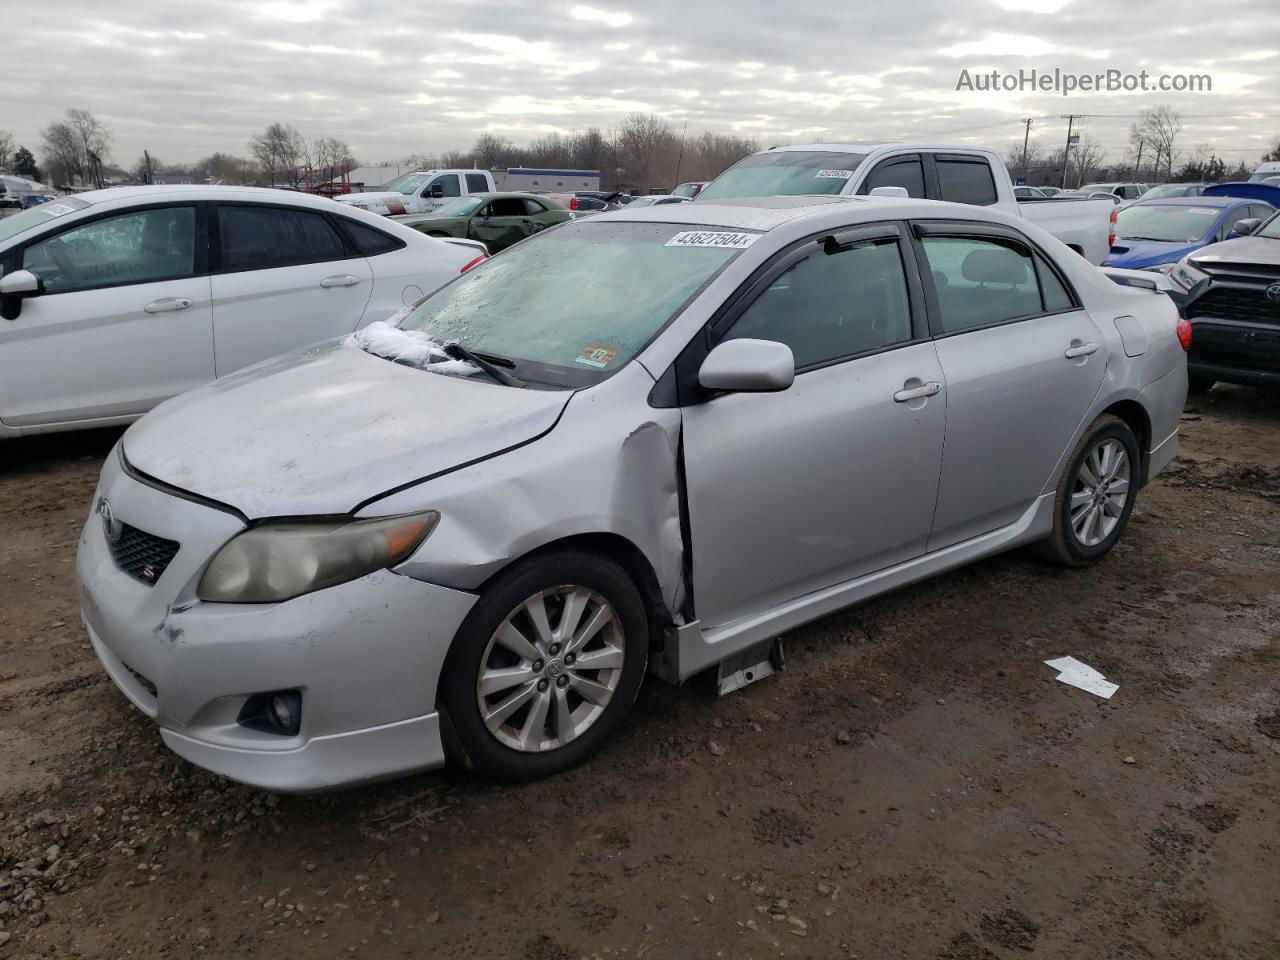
x=491 y=151
x=1159 y=127
x=6 y=149
x=1088 y=156
x=642 y=141
x=278 y=150
x=76 y=146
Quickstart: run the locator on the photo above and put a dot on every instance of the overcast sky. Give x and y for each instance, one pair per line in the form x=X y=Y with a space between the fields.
x=183 y=78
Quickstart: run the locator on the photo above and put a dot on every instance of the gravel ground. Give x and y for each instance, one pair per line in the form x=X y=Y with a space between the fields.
x=915 y=785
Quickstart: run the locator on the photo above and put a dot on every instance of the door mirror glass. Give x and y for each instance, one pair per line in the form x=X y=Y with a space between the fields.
x=435 y=191
x=1243 y=228
x=16 y=287
x=748 y=366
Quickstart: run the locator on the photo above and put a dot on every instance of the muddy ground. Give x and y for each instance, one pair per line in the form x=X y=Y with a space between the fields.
x=915 y=785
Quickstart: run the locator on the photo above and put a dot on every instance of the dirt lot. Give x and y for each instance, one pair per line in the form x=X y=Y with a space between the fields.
x=915 y=785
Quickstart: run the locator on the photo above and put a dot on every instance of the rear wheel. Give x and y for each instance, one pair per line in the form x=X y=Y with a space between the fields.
x=1095 y=495
x=546 y=666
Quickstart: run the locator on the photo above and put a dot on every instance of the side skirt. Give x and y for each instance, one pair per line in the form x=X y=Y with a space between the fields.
x=691 y=648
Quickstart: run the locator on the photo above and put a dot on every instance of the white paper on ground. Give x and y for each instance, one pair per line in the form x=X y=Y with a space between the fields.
x=1077 y=674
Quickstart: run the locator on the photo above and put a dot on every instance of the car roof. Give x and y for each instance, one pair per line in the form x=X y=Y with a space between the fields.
x=202 y=191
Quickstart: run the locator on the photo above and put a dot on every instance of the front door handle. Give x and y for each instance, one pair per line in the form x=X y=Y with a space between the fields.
x=168 y=304
x=907 y=394
x=345 y=280
x=1080 y=350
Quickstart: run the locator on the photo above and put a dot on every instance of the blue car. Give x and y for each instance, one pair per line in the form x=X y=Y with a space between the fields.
x=1156 y=234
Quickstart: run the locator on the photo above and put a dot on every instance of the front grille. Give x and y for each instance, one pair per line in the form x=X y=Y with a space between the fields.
x=1263 y=273
x=1235 y=303
x=142 y=555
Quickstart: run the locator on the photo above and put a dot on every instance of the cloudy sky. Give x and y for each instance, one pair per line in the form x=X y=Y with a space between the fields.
x=183 y=78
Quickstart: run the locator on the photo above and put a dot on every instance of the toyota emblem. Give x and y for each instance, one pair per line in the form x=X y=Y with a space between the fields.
x=112 y=527
x=1272 y=293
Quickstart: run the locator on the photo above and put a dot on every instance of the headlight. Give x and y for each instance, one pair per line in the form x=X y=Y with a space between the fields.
x=1161 y=267
x=279 y=560
x=1186 y=275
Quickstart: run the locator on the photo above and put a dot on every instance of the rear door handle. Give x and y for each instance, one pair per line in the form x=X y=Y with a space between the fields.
x=168 y=304
x=1080 y=350
x=345 y=280
x=917 y=393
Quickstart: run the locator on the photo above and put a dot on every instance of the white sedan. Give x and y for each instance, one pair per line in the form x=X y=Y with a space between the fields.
x=114 y=300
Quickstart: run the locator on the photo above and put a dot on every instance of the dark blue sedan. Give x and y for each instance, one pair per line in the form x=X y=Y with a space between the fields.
x=1156 y=234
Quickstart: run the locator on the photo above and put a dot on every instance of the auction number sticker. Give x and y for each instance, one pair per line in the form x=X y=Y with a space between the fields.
x=712 y=238
x=597 y=355
x=55 y=209
x=834 y=174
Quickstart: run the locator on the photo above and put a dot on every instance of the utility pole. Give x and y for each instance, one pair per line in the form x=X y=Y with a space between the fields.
x=680 y=159
x=1071 y=118
x=1137 y=168
x=1025 y=137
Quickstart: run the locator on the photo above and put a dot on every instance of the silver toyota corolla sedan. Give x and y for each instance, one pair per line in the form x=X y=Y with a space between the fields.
x=653 y=440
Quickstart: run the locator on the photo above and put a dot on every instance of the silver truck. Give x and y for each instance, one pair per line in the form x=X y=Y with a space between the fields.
x=962 y=174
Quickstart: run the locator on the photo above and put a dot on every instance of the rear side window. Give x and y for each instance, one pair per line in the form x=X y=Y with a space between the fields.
x=369 y=241
x=830 y=306
x=966 y=181
x=534 y=207
x=140 y=247
x=476 y=183
x=254 y=238
x=981 y=282
x=1056 y=296
x=904 y=172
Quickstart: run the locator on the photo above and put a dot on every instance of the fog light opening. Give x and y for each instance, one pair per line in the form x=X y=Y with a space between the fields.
x=278 y=712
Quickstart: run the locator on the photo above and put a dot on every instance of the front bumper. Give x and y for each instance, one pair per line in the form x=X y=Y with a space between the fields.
x=366 y=655
x=1235 y=351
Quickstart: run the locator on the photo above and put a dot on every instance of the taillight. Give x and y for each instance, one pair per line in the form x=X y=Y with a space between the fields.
x=473 y=263
x=1184 y=334
x=573 y=203
x=1111 y=235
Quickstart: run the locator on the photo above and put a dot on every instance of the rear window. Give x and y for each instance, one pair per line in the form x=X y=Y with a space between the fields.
x=966 y=181
x=779 y=173
x=255 y=238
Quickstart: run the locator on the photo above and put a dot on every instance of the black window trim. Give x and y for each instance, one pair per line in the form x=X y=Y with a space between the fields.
x=347 y=238
x=925 y=168
x=981 y=230
x=678 y=386
x=200 y=262
x=216 y=267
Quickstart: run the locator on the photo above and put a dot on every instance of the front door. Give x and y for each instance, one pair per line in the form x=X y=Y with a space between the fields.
x=501 y=222
x=1023 y=363
x=284 y=280
x=836 y=476
x=124 y=320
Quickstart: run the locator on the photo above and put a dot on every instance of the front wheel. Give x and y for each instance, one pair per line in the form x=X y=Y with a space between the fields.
x=1095 y=495
x=545 y=667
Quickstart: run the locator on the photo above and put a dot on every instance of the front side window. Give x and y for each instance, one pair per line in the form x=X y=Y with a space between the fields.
x=966 y=181
x=904 y=172
x=140 y=247
x=834 y=305
x=254 y=238
x=476 y=183
x=777 y=173
x=506 y=207
x=980 y=282
x=448 y=183
x=581 y=300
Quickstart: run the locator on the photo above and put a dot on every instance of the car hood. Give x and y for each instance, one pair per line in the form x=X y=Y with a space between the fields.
x=374 y=195
x=1136 y=254
x=320 y=431
x=1241 y=250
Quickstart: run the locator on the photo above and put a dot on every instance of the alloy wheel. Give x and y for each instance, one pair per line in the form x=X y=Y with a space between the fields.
x=1100 y=492
x=550 y=669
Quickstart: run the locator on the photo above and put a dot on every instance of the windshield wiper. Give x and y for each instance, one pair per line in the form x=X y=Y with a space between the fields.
x=459 y=352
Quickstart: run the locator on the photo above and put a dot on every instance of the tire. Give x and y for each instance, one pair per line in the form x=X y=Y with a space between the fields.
x=523 y=745
x=1198 y=384
x=1075 y=543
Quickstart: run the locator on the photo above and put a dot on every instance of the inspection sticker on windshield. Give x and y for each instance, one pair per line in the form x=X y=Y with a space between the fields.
x=597 y=355
x=834 y=174
x=712 y=238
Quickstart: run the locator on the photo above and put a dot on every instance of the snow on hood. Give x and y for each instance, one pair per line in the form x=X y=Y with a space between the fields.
x=384 y=338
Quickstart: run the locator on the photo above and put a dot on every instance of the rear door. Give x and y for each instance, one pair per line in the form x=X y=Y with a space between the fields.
x=836 y=476
x=124 y=321
x=1023 y=363
x=284 y=278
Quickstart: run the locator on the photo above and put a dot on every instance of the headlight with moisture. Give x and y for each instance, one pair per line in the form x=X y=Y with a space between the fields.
x=1185 y=275
x=278 y=560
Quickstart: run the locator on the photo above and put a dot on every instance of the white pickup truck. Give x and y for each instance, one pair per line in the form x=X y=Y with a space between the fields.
x=421 y=191
x=962 y=174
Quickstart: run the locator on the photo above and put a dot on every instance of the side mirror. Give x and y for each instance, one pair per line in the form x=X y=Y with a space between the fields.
x=16 y=287
x=889 y=192
x=435 y=191
x=1243 y=228
x=748 y=366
